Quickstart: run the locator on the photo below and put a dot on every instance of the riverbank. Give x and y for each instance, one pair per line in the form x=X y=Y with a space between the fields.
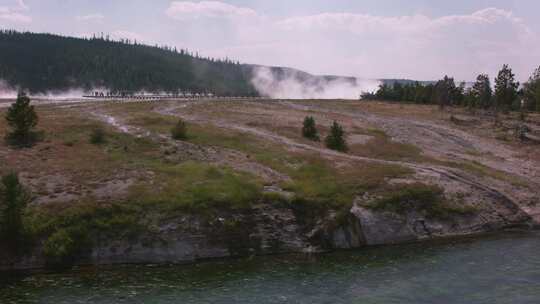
x=245 y=183
x=497 y=268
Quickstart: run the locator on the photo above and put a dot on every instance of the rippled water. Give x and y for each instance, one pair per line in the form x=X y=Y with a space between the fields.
x=495 y=269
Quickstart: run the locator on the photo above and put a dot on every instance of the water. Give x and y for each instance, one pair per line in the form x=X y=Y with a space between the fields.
x=495 y=269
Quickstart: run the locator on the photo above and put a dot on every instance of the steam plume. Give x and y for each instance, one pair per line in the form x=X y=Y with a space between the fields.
x=292 y=84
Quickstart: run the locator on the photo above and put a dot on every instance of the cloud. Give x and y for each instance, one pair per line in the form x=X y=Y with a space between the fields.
x=13 y=14
x=21 y=5
x=91 y=18
x=186 y=10
x=413 y=46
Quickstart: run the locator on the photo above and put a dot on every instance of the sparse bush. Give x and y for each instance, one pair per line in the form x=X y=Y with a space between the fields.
x=179 y=131
x=309 y=129
x=97 y=137
x=426 y=199
x=13 y=201
x=22 y=118
x=336 y=139
x=59 y=247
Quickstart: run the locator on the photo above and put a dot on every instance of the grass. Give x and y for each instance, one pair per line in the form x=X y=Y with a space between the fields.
x=197 y=187
x=97 y=137
x=381 y=146
x=481 y=170
x=315 y=182
x=69 y=230
x=427 y=199
x=318 y=182
x=318 y=185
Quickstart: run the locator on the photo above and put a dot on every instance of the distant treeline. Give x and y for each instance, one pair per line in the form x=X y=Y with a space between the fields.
x=506 y=95
x=40 y=63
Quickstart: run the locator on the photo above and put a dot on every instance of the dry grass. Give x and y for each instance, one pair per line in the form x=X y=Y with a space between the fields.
x=381 y=146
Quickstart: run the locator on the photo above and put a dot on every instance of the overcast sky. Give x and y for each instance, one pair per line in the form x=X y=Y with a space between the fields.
x=417 y=39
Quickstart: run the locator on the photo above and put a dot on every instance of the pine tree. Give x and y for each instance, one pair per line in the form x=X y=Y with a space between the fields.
x=482 y=92
x=506 y=89
x=309 y=129
x=531 y=92
x=13 y=201
x=22 y=118
x=445 y=92
x=336 y=139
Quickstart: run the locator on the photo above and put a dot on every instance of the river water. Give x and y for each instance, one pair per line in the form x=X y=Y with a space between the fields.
x=503 y=268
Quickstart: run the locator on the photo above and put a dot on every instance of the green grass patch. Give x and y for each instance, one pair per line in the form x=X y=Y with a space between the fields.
x=319 y=187
x=426 y=199
x=68 y=231
x=198 y=187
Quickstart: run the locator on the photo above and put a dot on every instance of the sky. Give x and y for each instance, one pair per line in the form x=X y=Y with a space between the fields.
x=414 y=39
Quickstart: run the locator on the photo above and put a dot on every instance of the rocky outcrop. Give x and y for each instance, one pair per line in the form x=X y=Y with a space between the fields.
x=272 y=229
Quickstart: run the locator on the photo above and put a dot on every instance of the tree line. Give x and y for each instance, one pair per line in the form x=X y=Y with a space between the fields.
x=39 y=63
x=506 y=94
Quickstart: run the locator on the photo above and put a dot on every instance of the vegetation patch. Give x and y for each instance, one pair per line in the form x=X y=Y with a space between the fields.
x=153 y=121
x=69 y=231
x=198 y=187
x=319 y=187
x=479 y=169
x=381 y=146
x=97 y=137
x=426 y=199
x=335 y=140
x=309 y=129
x=179 y=131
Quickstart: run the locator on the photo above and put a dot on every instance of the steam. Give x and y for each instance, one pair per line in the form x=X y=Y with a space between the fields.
x=9 y=92
x=6 y=92
x=292 y=84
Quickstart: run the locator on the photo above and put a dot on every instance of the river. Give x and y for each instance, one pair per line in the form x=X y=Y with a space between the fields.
x=502 y=268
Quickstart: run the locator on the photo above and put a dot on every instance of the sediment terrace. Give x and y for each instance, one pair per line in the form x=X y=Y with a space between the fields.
x=246 y=182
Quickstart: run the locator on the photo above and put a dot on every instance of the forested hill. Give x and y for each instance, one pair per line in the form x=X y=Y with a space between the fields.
x=43 y=62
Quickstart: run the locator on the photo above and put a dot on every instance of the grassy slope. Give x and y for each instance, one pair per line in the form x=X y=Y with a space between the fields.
x=162 y=189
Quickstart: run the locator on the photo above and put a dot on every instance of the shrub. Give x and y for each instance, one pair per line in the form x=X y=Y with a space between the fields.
x=22 y=118
x=179 y=131
x=97 y=137
x=59 y=246
x=13 y=201
x=309 y=129
x=336 y=139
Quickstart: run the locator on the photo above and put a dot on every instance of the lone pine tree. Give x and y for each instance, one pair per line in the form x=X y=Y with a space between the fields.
x=13 y=201
x=336 y=139
x=22 y=118
x=309 y=130
x=506 y=89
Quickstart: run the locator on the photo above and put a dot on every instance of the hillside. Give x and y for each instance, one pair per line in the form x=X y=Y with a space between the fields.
x=244 y=183
x=64 y=63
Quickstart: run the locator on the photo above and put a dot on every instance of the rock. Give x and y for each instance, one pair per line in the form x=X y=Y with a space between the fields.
x=381 y=228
